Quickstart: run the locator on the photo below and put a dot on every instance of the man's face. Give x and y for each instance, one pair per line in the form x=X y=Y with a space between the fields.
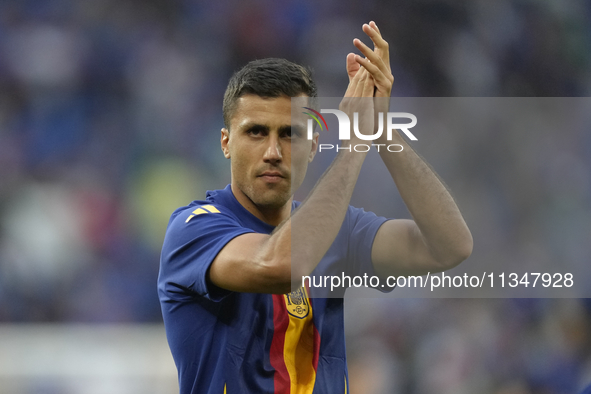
x=269 y=152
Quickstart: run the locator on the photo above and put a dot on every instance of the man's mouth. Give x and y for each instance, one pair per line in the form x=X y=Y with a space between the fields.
x=271 y=176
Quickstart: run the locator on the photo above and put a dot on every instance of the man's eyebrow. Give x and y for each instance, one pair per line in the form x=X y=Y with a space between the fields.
x=254 y=126
x=249 y=126
x=284 y=129
x=296 y=127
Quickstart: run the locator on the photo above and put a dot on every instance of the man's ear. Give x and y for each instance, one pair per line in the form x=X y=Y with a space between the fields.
x=225 y=141
x=314 y=147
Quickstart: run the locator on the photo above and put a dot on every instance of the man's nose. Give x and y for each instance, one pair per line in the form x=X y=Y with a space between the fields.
x=273 y=150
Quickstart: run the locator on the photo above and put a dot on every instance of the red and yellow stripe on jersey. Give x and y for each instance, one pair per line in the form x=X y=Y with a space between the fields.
x=296 y=343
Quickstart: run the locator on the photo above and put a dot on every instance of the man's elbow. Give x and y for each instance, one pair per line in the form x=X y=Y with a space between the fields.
x=275 y=277
x=282 y=277
x=453 y=253
x=460 y=252
x=465 y=250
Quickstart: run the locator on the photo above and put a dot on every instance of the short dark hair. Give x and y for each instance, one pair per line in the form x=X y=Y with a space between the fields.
x=267 y=78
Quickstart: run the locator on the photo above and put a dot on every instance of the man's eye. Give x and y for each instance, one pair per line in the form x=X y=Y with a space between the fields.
x=254 y=132
x=292 y=133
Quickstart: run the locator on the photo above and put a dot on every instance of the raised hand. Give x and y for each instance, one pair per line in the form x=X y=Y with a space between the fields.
x=376 y=61
x=358 y=102
x=376 y=65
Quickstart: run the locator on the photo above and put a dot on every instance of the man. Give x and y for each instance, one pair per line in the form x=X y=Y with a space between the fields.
x=225 y=285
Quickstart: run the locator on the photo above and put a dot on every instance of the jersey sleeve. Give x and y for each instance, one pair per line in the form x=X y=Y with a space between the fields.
x=363 y=227
x=193 y=240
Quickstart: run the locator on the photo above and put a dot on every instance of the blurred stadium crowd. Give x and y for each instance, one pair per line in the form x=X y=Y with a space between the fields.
x=110 y=112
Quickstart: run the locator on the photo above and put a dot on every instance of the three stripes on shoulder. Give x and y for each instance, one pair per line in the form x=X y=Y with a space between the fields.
x=201 y=210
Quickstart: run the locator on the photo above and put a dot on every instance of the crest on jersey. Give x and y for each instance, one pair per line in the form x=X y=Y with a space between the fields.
x=297 y=303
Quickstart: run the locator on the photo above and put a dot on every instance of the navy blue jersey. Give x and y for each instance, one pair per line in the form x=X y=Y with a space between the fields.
x=242 y=343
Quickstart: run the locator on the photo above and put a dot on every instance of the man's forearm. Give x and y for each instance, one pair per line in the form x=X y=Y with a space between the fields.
x=432 y=207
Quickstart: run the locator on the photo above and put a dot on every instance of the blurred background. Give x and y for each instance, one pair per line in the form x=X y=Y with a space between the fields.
x=110 y=113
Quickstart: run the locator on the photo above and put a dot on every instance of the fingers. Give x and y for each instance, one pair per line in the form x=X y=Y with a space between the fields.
x=353 y=84
x=381 y=46
x=372 y=56
x=368 y=86
x=361 y=86
x=359 y=82
x=373 y=71
x=376 y=61
x=352 y=66
x=373 y=32
x=382 y=82
x=375 y=27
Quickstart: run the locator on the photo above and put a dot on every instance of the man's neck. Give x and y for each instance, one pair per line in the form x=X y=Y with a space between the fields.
x=271 y=215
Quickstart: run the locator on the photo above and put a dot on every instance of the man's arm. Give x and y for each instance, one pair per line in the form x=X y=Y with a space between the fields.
x=438 y=238
x=264 y=263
